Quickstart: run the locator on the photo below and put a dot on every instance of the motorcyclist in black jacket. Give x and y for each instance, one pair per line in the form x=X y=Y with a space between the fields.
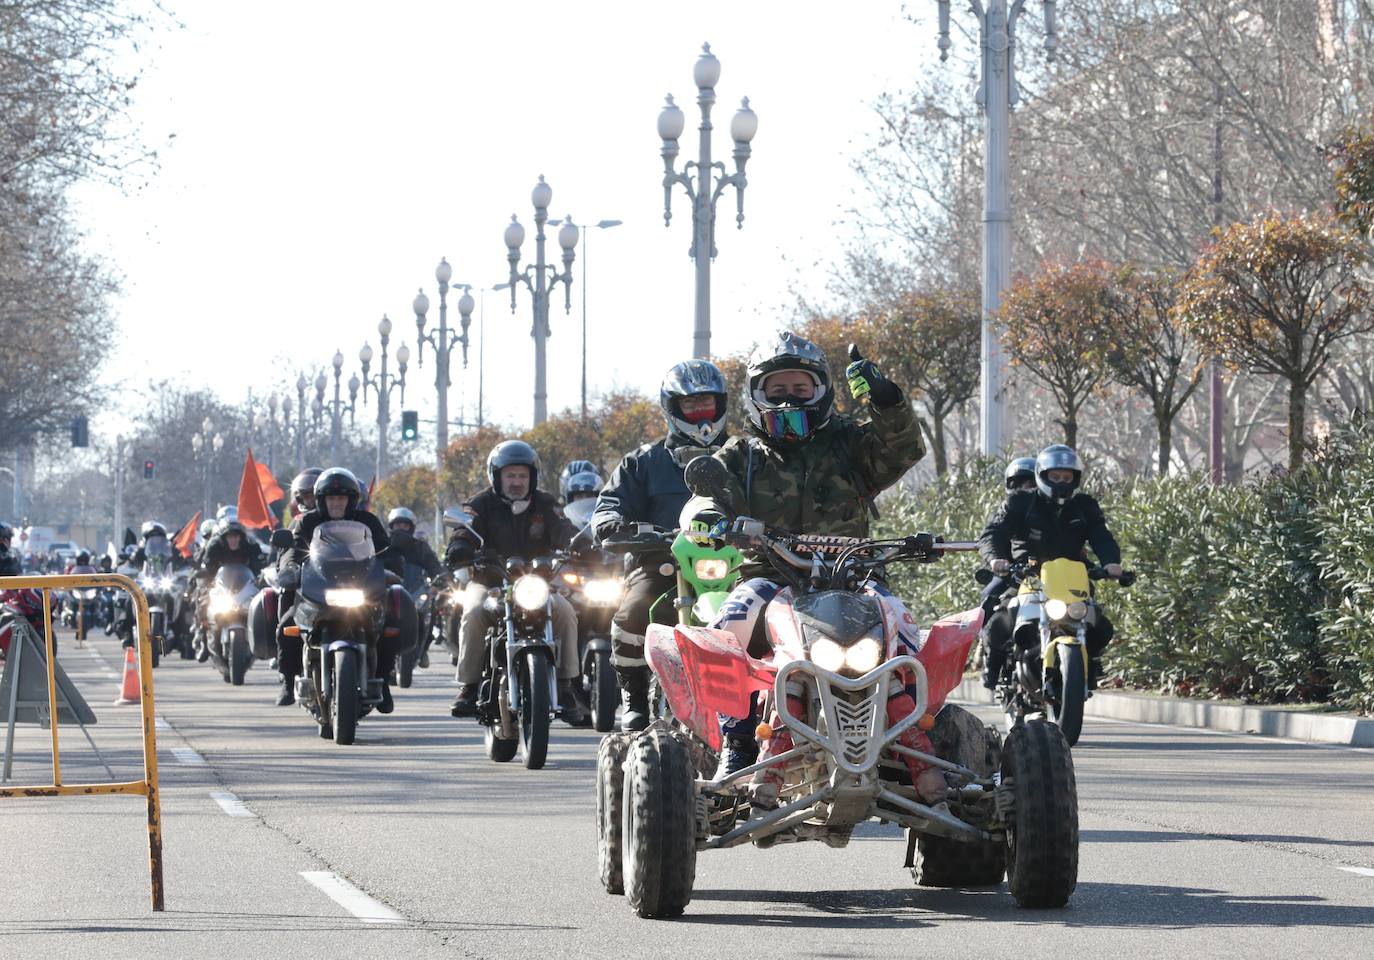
x=648 y=487
x=411 y=549
x=337 y=493
x=1032 y=526
x=9 y=560
x=289 y=665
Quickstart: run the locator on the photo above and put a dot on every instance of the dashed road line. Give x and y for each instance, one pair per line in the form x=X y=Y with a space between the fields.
x=161 y=724
x=1362 y=871
x=188 y=757
x=351 y=898
x=231 y=804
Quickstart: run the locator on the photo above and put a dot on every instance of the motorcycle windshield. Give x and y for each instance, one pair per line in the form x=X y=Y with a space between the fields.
x=234 y=577
x=580 y=511
x=341 y=540
x=157 y=547
x=843 y=617
x=341 y=555
x=1065 y=580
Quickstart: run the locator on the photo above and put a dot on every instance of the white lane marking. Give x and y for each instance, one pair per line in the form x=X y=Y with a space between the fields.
x=187 y=756
x=110 y=675
x=1362 y=871
x=161 y=724
x=351 y=898
x=231 y=804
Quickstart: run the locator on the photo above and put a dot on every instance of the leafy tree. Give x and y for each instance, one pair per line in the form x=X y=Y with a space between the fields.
x=1056 y=332
x=1353 y=157
x=1274 y=296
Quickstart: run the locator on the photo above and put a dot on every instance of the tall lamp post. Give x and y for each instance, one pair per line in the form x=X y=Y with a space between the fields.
x=209 y=443
x=301 y=385
x=997 y=94
x=443 y=341
x=272 y=432
x=383 y=383
x=537 y=278
x=705 y=188
x=586 y=255
x=337 y=406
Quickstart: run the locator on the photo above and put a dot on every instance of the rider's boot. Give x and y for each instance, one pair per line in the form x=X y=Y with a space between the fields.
x=465 y=704
x=202 y=645
x=929 y=782
x=768 y=782
x=1094 y=671
x=634 y=698
x=287 y=695
x=993 y=662
x=387 y=704
x=574 y=714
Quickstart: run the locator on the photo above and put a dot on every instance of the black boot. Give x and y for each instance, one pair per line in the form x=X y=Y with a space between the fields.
x=993 y=662
x=387 y=704
x=634 y=697
x=465 y=704
x=287 y=696
x=574 y=714
x=736 y=753
x=1094 y=672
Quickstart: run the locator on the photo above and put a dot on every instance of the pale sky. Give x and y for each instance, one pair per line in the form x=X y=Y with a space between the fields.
x=326 y=155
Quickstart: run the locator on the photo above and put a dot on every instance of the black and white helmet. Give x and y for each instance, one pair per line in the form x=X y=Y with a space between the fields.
x=1058 y=457
x=152 y=529
x=1019 y=471
x=512 y=453
x=788 y=419
x=401 y=515
x=304 y=485
x=579 y=476
x=693 y=378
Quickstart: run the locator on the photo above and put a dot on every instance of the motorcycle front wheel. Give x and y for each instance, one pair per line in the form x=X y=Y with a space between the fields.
x=605 y=693
x=1068 y=711
x=534 y=710
x=347 y=701
x=239 y=655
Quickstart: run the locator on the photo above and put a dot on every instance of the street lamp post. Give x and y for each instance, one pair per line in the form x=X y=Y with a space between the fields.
x=209 y=443
x=537 y=279
x=997 y=95
x=443 y=342
x=301 y=384
x=337 y=407
x=383 y=383
x=272 y=432
x=586 y=255
x=705 y=188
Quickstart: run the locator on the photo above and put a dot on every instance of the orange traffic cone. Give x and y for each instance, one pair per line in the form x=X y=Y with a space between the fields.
x=131 y=692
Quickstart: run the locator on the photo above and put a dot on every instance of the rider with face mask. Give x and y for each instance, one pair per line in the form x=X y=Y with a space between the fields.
x=808 y=470
x=580 y=480
x=514 y=518
x=647 y=487
x=1050 y=521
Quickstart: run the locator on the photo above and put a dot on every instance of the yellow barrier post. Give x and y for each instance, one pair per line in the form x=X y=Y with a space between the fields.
x=147 y=787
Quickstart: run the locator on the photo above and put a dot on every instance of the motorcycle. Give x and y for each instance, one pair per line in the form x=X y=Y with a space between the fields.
x=594 y=590
x=855 y=729
x=341 y=614
x=231 y=596
x=417 y=589
x=160 y=588
x=1054 y=607
x=80 y=608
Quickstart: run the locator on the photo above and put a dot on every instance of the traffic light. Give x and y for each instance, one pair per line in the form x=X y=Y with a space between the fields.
x=410 y=424
x=149 y=468
x=80 y=433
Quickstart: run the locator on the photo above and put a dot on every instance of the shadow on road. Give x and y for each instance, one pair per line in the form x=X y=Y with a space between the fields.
x=208 y=921
x=1172 y=836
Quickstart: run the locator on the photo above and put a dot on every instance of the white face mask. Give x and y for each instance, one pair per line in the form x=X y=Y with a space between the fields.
x=518 y=507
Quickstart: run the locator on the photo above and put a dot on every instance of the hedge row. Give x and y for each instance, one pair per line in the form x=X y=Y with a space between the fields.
x=1262 y=592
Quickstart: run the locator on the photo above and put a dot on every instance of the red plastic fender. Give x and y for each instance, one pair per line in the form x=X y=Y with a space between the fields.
x=945 y=652
x=704 y=673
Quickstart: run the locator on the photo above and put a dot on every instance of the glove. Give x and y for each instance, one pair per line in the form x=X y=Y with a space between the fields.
x=460 y=553
x=866 y=381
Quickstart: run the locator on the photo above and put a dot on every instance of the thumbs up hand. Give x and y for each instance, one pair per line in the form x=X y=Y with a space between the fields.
x=865 y=381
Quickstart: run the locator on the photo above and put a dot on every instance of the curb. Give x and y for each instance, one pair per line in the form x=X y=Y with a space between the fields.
x=1343 y=730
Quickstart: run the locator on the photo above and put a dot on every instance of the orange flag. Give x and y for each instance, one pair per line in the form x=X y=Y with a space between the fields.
x=271 y=490
x=186 y=536
x=253 y=511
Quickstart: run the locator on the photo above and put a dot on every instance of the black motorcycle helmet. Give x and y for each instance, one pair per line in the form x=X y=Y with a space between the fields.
x=83 y=559
x=1019 y=471
x=303 y=484
x=512 y=453
x=336 y=482
x=1058 y=457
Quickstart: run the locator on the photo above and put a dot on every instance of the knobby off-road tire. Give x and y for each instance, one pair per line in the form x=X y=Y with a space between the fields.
x=659 y=825
x=1072 y=673
x=347 y=698
x=610 y=790
x=1042 y=840
x=534 y=710
x=605 y=693
x=960 y=737
x=239 y=655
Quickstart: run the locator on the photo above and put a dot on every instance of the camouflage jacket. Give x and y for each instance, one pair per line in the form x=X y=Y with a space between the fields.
x=826 y=485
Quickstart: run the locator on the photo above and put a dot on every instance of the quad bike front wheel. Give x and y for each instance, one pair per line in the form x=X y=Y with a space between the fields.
x=1042 y=839
x=610 y=789
x=658 y=825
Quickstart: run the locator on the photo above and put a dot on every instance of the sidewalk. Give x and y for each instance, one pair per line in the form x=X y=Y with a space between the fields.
x=1344 y=729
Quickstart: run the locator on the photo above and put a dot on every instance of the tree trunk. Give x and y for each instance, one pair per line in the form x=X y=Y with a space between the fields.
x=1297 y=422
x=937 y=444
x=1165 y=423
x=1070 y=425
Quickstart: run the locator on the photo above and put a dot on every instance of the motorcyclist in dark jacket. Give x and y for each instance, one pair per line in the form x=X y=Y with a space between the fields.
x=289 y=665
x=411 y=549
x=647 y=487
x=9 y=560
x=514 y=518
x=337 y=493
x=1032 y=526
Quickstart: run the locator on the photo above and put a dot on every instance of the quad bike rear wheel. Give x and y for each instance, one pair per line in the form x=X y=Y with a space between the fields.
x=610 y=788
x=960 y=737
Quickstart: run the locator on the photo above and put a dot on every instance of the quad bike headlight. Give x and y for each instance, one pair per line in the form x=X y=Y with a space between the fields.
x=344 y=597
x=530 y=592
x=827 y=654
x=711 y=568
x=864 y=655
x=603 y=592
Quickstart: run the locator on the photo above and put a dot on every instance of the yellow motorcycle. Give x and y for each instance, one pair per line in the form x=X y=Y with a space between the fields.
x=1053 y=610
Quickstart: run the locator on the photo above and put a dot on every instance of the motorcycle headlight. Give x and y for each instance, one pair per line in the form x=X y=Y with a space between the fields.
x=570 y=578
x=165 y=583
x=864 y=655
x=827 y=654
x=604 y=592
x=530 y=592
x=711 y=568
x=344 y=597
x=1056 y=609
x=220 y=602
x=1078 y=610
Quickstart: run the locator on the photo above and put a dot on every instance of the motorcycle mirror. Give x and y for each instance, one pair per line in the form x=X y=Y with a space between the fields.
x=983 y=575
x=707 y=477
x=282 y=539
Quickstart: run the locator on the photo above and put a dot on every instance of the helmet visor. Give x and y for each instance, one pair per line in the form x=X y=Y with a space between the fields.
x=782 y=424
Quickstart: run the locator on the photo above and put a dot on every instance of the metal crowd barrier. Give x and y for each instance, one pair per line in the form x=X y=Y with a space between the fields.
x=147 y=787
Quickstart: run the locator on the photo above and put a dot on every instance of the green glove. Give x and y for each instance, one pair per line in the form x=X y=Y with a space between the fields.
x=865 y=380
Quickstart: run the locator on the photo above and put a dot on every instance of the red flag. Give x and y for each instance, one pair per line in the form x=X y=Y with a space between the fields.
x=253 y=511
x=371 y=486
x=271 y=490
x=186 y=536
